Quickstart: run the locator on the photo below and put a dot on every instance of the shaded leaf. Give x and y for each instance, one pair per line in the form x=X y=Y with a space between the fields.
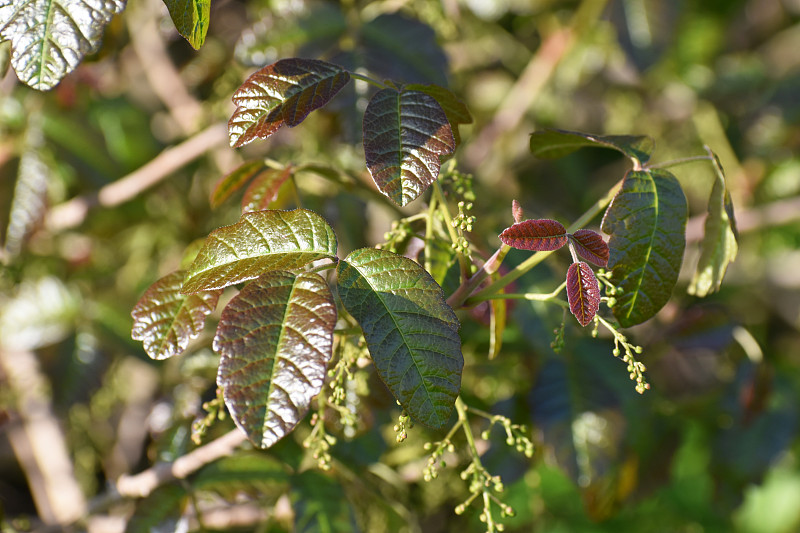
x=550 y=144
x=160 y=511
x=275 y=338
x=260 y=241
x=191 y=18
x=243 y=471
x=399 y=47
x=411 y=332
x=583 y=292
x=284 y=92
x=264 y=189
x=456 y=111
x=589 y=245
x=166 y=320
x=320 y=505
x=404 y=135
x=647 y=222
x=539 y=235
x=50 y=37
x=720 y=239
x=235 y=180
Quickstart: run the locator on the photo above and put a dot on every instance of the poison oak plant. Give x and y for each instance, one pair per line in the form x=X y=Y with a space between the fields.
x=303 y=314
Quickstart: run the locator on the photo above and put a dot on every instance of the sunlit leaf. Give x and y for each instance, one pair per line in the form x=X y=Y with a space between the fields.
x=191 y=19
x=583 y=292
x=235 y=180
x=275 y=338
x=538 y=235
x=166 y=320
x=264 y=189
x=50 y=37
x=456 y=111
x=260 y=241
x=550 y=144
x=720 y=240
x=284 y=92
x=589 y=245
x=646 y=221
x=404 y=135
x=411 y=332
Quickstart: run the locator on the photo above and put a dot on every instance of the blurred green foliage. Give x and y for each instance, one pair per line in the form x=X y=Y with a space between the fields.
x=712 y=447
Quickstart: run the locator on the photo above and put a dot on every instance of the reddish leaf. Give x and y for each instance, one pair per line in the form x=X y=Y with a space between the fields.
x=457 y=113
x=538 y=235
x=284 y=92
x=264 y=189
x=405 y=133
x=275 y=338
x=516 y=211
x=165 y=320
x=234 y=180
x=583 y=292
x=590 y=245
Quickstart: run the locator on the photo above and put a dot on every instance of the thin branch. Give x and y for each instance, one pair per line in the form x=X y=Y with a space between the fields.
x=73 y=212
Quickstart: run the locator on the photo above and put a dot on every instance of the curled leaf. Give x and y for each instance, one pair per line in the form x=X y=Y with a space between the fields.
x=235 y=180
x=516 y=211
x=583 y=292
x=284 y=92
x=260 y=241
x=550 y=144
x=589 y=245
x=539 y=235
x=275 y=338
x=404 y=135
x=166 y=320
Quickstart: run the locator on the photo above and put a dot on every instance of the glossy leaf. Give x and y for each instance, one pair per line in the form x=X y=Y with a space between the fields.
x=647 y=222
x=455 y=110
x=404 y=135
x=166 y=320
x=264 y=189
x=551 y=144
x=583 y=292
x=284 y=92
x=260 y=241
x=589 y=245
x=720 y=240
x=191 y=18
x=539 y=235
x=411 y=332
x=235 y=180
x=275 y=338
x=50 y=37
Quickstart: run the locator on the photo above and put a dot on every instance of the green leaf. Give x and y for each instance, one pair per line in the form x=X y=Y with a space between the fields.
x=550 y=144
x=321 y=505
x=275 y=338
x=647 y=223
x=166 y=320
x=404 y=135
x=191 y=19
x=456 y=111
x=244 y=471
x=284 y=92
x=50 y=37
x=260 y=241
x=235 y=180
x=160 y=511
x=264 y=189
x=411 y=332
x=720 y=240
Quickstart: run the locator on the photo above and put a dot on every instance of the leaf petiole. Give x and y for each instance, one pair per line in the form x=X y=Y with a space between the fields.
x=532 y=296
x=367 y=79
x=676 y=162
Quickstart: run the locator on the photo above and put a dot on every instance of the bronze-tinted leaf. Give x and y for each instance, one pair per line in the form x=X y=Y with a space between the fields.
x=456 y=111
x=538 y=235
x=264 y=189
x=583 y=292
x=275 y=338
x=166 y=320
x=589 y=245
x=235 y=180
x=260 y=241
x=404 y=135
x=284 y=92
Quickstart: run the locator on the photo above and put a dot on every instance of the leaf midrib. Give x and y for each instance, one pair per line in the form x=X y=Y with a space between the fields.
x=649 y=247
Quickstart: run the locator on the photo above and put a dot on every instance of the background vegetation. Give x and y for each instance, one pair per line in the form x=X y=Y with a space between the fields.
x=125 y=150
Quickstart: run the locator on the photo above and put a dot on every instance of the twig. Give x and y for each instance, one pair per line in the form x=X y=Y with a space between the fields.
x=73 y=212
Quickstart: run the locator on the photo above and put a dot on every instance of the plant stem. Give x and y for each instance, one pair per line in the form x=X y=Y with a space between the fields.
x=448 y=221
x=461 y=409
x=491 y=266
x=367 y=79
x=429 y=232
x=532 y=296
x=538 y=257
x=675 y=162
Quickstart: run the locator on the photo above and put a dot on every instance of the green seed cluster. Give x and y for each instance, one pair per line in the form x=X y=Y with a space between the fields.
x=435 y=460
x=319 y=442
x=215 y=410
x=396 y=237
x=483 y=484
x=404 y=423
